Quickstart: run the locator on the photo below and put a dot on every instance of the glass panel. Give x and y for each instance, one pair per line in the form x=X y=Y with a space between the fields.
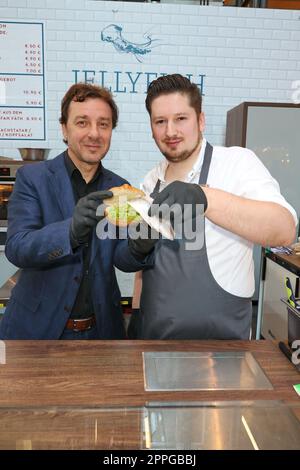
x=216 y=426
x=273 y=134
x=203 y=371
x=71 y=428
x=187 y=425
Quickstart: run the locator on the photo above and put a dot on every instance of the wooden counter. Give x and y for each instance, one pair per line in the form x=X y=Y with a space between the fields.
x=104 y=373
x=47 y=387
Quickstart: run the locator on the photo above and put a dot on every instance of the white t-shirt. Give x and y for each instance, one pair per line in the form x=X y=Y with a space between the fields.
x=238 y=171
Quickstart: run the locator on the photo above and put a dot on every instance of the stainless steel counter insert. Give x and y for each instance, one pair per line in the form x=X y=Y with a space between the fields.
x=203 y=371
x=252 y=425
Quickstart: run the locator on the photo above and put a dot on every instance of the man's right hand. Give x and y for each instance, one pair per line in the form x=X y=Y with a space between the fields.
x=84 y=217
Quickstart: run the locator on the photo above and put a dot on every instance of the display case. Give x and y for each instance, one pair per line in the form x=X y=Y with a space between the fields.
x=216 y=425
x=271 y=130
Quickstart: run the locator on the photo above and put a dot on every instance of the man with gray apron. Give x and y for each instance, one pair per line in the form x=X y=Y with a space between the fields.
x=180 y=297
x=183 y=294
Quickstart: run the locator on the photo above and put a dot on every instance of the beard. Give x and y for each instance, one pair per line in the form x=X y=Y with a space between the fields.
x=185 y=154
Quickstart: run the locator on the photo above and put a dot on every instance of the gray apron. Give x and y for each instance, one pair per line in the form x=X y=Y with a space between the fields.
x=180 y=297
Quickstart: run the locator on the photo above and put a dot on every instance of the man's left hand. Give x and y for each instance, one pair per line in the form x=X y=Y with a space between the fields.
x=141 y=247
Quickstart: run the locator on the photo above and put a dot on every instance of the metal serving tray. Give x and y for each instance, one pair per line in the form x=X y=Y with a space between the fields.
x=203 y=371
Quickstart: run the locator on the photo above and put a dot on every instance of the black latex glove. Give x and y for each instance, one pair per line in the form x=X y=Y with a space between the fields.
x=180 y=193
x=84 y=217
x=140 y=247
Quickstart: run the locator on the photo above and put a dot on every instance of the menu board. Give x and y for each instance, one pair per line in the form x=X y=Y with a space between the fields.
x=22 y=81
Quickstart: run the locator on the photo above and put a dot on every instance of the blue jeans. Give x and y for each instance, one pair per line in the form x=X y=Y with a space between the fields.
x=92 y=333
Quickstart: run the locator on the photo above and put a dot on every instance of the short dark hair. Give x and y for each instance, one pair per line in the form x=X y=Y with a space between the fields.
x=174 y=83
x=81 y=92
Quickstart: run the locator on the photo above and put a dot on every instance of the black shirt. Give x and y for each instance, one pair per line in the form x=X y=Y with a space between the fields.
x=83 y=305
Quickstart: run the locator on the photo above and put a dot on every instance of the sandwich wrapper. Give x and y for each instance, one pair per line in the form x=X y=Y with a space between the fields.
x=142 y=206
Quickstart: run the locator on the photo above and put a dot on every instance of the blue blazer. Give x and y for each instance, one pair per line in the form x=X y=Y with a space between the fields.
x=39 y=216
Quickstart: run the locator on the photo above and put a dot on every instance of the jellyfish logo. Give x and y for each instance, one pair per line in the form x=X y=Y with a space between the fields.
x=113 y=34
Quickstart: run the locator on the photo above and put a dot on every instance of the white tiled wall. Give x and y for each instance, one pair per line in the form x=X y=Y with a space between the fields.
x=245 y=54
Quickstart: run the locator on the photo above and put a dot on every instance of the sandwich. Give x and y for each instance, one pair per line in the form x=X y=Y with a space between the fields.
x=117 y=210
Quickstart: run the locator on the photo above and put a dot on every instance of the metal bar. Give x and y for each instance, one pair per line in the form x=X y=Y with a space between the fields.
x=261 y=295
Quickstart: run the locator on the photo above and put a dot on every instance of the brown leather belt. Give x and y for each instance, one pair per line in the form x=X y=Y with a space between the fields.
x=81 y=324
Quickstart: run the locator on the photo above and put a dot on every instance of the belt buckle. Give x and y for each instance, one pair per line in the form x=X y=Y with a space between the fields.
x=83 y=320
x=77 y=330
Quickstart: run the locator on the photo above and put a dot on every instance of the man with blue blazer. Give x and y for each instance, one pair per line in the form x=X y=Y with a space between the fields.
x=67 y=287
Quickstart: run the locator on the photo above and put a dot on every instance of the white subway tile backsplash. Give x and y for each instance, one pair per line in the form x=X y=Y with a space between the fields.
x=44 y=14
x=242 y=32
x=61 y=3
x=61 y=14
x=56 y=25
x=9 y=13
x=17 y=3
x=263 y=33
x=272 y=24
x=254 y=23
x=197 y=19
x=280 y=34
x=295 y=35
x=285 y=14
x=290 y=45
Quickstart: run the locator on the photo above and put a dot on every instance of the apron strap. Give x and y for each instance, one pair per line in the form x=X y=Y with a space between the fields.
x=156 y=189
x=206 y=164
